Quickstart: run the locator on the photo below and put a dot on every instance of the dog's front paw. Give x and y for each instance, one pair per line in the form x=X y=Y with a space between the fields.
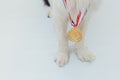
x=85 y=55
x=61 y=59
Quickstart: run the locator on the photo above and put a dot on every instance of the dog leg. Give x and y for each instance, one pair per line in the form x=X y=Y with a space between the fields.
x=62 y=56
x=82 y=51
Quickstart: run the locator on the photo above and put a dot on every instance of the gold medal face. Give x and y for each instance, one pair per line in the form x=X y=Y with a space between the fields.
x=74 y=35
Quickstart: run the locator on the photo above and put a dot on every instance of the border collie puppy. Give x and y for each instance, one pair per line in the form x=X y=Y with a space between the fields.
x=58 y=11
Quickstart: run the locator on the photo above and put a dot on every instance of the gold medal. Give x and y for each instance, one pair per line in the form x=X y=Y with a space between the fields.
x=74 y=35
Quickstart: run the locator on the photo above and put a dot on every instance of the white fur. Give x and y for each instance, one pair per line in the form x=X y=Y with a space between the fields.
x=60 y=21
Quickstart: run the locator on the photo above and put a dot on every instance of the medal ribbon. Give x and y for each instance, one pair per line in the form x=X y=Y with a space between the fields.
x=79 y=16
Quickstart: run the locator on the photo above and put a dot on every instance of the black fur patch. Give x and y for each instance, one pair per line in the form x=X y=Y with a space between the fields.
x=46 y=2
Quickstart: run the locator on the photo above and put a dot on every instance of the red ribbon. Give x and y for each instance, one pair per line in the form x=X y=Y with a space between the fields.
x=77 y=18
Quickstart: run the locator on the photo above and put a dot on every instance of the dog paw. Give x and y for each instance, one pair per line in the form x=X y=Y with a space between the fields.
x=85 y=55
x=62 y=59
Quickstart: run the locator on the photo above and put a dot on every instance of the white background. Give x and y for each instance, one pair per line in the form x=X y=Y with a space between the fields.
x=28 y=44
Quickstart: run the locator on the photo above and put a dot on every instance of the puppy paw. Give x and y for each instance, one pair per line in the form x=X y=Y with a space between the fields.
x=62 y=59
x=85 y=55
